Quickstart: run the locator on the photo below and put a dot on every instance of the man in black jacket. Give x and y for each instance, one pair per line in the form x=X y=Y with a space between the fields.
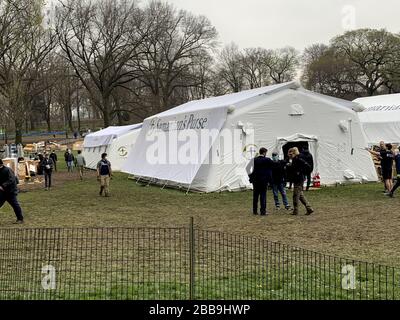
x=9 y=191
x=260 y=177
x=298 y=167
x=47 y=167
x=53 y=156
x=307 y=157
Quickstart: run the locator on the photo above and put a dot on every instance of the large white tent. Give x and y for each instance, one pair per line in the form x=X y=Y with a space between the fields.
x=117 y=142
x=381 y=118
x=236 y=125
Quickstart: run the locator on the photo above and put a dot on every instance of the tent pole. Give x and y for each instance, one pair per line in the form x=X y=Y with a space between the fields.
x=187 y=192
x=137 y=181
x=164 y=185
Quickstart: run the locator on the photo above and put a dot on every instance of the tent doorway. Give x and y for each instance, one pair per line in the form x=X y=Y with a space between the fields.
x=299 y=144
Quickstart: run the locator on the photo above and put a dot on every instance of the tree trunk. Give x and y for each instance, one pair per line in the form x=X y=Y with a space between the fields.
x=78 y=111
x=106 y=110
x=18 y=132
x=48 y=122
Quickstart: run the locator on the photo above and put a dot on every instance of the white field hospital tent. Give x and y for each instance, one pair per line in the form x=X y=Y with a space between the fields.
x=207 y=145
x=117 y=142
x=381 y=118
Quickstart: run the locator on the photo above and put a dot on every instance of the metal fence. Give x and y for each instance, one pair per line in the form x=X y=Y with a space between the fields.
x=177 y=264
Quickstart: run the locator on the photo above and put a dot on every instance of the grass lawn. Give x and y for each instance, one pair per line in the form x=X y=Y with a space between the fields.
x=356 y=222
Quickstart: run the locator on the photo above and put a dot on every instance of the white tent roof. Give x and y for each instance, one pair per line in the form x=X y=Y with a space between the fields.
x=106 y=136
x=381 y=118
x=382 y=103
x=227 y=100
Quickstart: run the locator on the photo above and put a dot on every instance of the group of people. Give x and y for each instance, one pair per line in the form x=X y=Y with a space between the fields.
x=387 y=157
x=48 y=163
x=276 y=173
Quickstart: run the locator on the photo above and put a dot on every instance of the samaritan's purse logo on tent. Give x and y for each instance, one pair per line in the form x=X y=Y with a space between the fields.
x=186 y=122
x=123 y=151
x=250 y=151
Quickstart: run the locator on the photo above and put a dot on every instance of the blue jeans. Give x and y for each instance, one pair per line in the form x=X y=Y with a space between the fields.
x=280 y=188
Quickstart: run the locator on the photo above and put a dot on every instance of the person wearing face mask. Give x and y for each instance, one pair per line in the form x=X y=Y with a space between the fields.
x=278 y=181
x=104 y=173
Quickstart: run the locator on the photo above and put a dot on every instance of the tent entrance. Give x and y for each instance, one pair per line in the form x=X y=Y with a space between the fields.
x=301 y=145
x=300 y=141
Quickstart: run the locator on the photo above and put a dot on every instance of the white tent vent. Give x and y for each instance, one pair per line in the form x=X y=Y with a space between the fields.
x=344 y=126
x=296 y=110
x=349 y=174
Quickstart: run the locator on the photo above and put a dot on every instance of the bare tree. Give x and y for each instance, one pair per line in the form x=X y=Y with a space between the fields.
x=254 y=68
x=370 y=53
x=230 y=67
x=98 y=39
x=21 y=59
x=282 y=64
x=178 y=41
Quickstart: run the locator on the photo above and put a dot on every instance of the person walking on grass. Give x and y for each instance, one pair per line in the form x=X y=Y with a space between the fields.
x=278 y=181
x=9 y=191
x=80 y=163
x=104 y=173
x=53 y=156
x=47 y=167
x=387 y=157
x=69 y=160
x=260 y=177
x=299 y=167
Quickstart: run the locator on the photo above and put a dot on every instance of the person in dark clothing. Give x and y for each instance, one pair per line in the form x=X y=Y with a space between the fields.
x=69 y=160
x=397 y=162
x=9 y=191
x=47 y=167
x=260 y=177
x=278 y=181
x=387 y=157
x=104 y=173
x=307 y=157
x=53 y=156
x=40 y=169
x=298 y=168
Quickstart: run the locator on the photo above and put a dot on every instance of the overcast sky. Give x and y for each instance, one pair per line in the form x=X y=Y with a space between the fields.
x=298 y=23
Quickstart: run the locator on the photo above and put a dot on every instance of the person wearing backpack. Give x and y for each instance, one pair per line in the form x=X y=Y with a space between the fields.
x=104 y=173
x=299 y=167
x=307 y=157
